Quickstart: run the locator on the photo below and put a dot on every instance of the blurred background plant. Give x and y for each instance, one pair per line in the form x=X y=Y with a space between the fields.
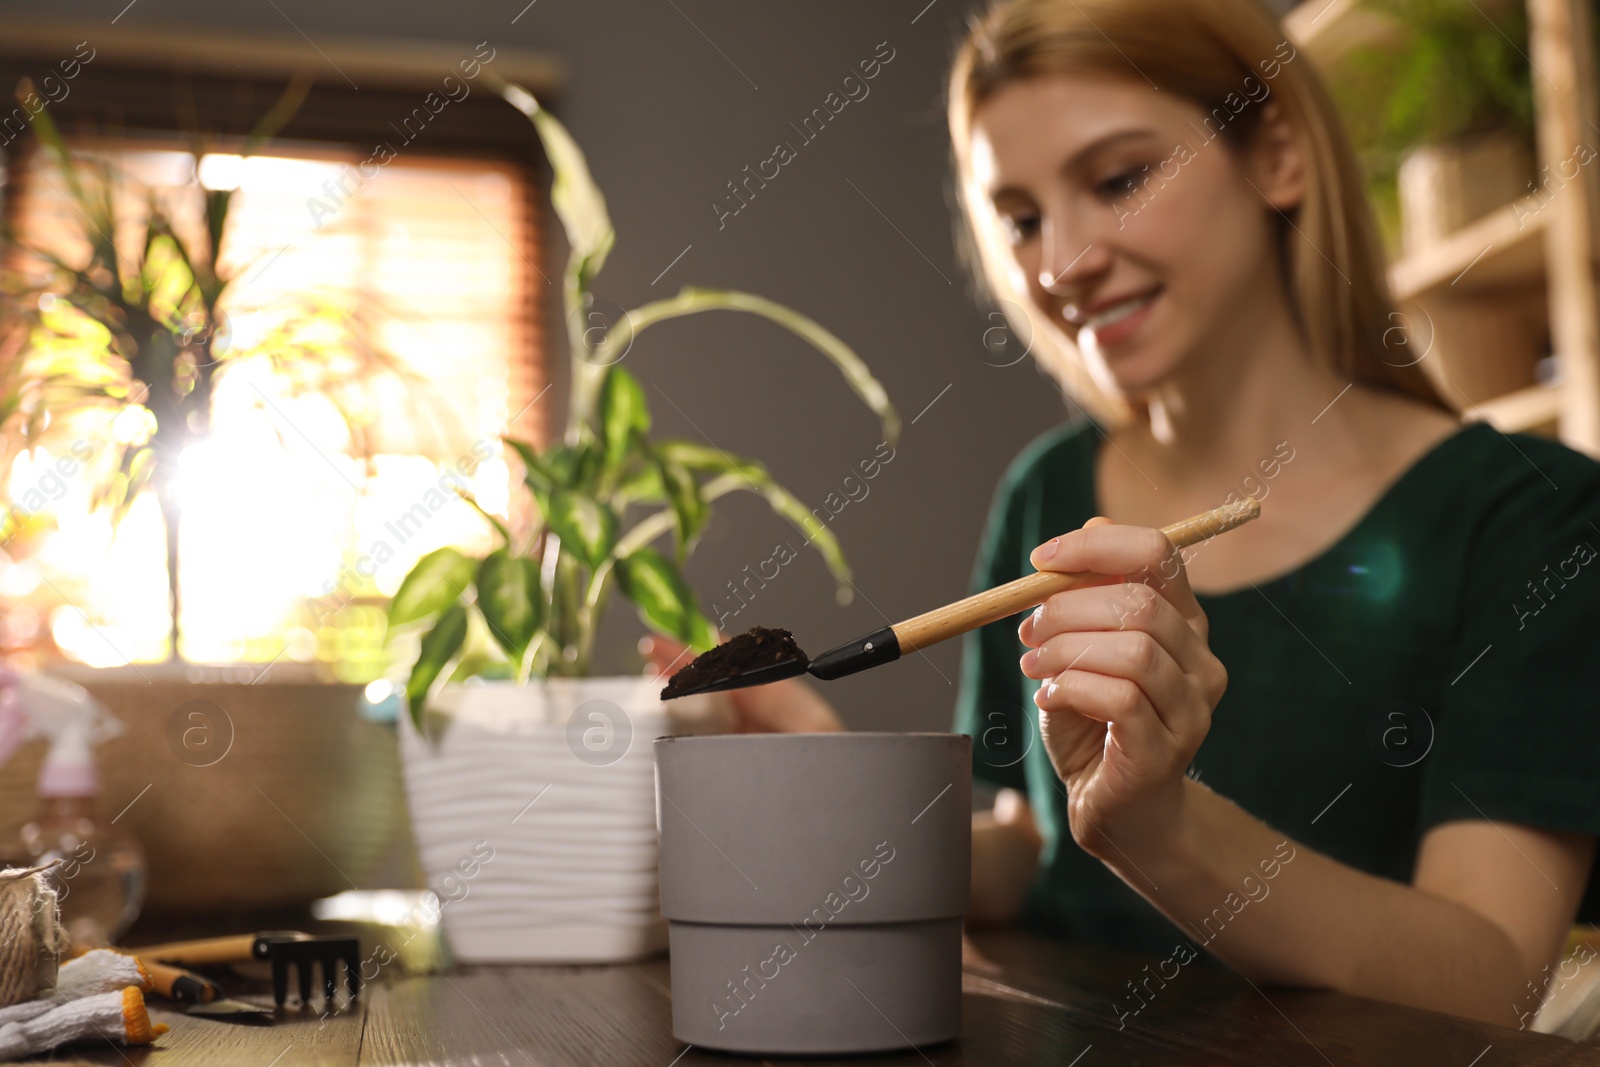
x=1450 y=72
x=122 y=324
x=532 y=606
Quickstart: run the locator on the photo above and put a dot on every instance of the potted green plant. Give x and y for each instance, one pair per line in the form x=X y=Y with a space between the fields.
x=1441 y=112
x=114 y=330
x=511 y=749
x=119 y=321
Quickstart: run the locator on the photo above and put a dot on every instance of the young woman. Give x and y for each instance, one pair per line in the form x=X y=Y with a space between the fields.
x=1354 y=744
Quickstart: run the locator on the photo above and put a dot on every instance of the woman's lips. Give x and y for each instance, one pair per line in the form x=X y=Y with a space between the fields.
x=1125 y=319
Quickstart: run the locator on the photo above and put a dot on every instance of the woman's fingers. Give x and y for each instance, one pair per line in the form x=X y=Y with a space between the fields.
x=1141 y=554
x=665 y=655
x=1132 y=655
x=1073 y=742
x=787 y=707
x=1119 y=703
x=1123 y=608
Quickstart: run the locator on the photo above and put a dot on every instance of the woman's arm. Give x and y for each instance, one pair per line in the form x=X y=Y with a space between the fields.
x=1130 y=685
x=1488 y=910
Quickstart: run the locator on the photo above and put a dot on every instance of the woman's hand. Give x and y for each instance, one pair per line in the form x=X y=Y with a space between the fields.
x=1129 y=681
x=786 y=707
x=1005 y=858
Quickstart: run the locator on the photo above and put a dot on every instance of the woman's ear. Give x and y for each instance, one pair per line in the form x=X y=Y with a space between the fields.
x=1277 y=163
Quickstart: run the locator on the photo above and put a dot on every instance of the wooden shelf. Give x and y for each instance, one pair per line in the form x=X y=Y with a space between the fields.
x=1534 y=408
x=1486 y=274
x=1504 y=248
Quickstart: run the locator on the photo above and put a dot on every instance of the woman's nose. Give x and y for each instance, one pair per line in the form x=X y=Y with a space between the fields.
x=1070 y=256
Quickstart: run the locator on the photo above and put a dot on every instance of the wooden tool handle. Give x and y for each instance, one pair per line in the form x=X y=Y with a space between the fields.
x=200 y=953
x=1006 y=600
x=177 y=984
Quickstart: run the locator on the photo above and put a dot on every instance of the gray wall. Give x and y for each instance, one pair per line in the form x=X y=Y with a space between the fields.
x=667 y=120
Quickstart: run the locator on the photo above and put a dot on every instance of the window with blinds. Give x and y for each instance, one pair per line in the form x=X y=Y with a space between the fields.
x=314 y=490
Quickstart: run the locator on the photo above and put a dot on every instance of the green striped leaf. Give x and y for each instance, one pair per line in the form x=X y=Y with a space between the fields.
x=624 y=412
x=690 y=510
x=436 y=582
x=510 y=599
x=439 y=647
x=664 y=599
x=586 y=527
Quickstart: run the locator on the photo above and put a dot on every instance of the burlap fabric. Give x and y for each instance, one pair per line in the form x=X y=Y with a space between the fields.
x=32 y=939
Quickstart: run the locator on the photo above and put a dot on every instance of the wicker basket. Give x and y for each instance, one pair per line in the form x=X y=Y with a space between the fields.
x=259 y=795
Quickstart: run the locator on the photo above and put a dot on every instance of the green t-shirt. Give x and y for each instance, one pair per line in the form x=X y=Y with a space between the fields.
x=1437 y=663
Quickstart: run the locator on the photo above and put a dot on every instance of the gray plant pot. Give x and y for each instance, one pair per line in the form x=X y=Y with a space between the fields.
x=814 y=886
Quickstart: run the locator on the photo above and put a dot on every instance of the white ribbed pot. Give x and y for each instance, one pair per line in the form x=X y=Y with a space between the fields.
x=533 y=808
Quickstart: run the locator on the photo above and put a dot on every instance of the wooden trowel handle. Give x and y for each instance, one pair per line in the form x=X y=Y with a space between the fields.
x=200 y=953
x=1006 y=600
x=174 y=983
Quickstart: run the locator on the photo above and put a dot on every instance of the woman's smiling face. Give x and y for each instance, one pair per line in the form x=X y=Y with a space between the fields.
x=1143 y=268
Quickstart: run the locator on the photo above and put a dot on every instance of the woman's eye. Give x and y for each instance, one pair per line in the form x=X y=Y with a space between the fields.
x=1123 y=184
x=1019 y=228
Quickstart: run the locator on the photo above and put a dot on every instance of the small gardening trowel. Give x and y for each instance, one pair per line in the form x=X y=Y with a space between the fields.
x=763 y=654
x=200 y=995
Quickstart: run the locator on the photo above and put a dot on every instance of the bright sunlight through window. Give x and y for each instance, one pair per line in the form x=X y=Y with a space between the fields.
x=301 y=507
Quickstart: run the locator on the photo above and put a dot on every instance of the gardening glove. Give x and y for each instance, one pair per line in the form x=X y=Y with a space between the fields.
x=115 y=1016
x=96 y=971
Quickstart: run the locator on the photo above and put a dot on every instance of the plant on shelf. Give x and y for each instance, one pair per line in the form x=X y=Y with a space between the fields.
x=531 y=607
x=121 y=315
x=1449 y=72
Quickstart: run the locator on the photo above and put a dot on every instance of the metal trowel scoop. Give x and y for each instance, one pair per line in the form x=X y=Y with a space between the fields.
x=229 y=1010
x=200 y=995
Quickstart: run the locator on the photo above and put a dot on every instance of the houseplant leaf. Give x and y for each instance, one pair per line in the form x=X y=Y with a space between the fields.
x=536 y=473
x=696 y=456
x=586 y=526
x=689 y=506
x=624 y=412
x=96 y=212
x=557 y=467
x=692 y=301
x=588 y=466
x=439 y=646
x=510 y=599
x=790 y=507
x=437 y=581
x=573 y=193
x=499 y=527
x=735 y=473
x=664 y=599
x=640 y=483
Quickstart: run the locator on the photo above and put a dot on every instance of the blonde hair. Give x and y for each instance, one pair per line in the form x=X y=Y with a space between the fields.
x=1210 y=52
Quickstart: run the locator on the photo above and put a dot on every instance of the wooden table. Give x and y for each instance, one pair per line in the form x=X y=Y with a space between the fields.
x=1045 y=1002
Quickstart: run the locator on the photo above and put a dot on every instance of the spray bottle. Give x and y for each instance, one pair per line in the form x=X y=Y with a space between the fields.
x=100 y=878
